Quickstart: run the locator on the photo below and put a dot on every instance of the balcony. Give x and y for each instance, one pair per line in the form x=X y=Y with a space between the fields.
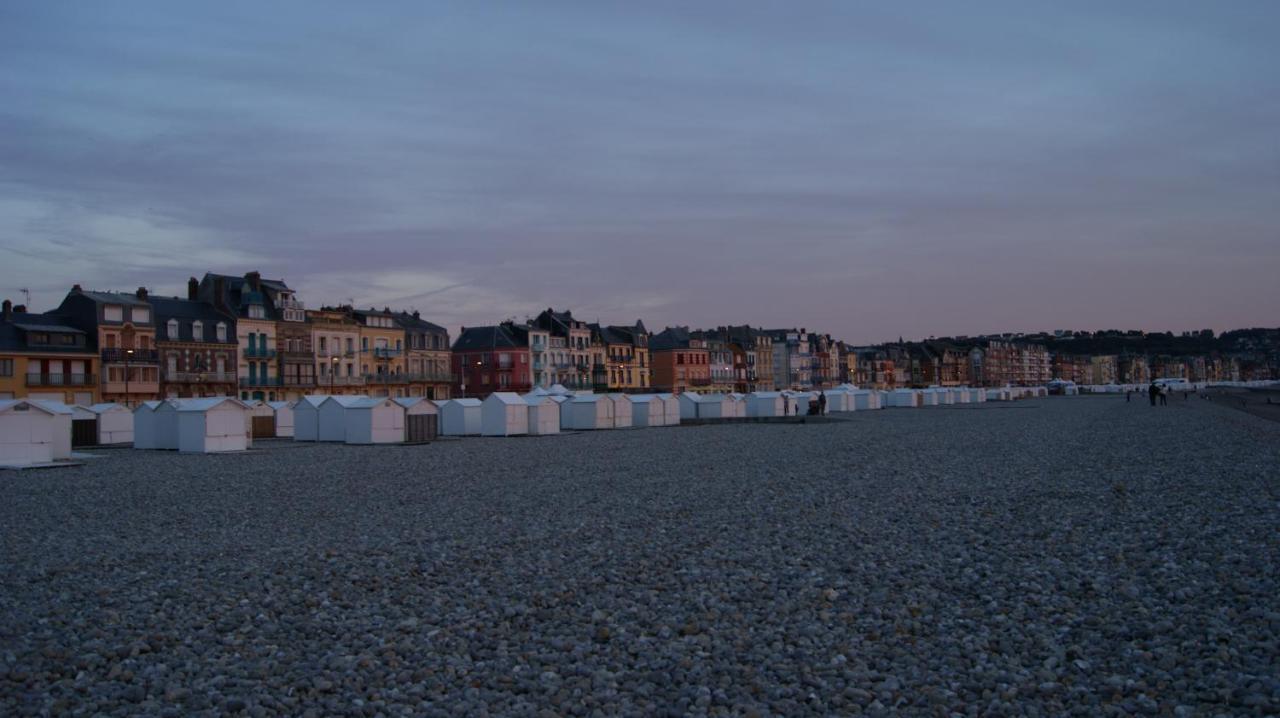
x=151 y=388
x=340 y=381
x=259 y=353
x=133 y=356
x=291 y=304
x=439 y=377
x=250 y=382
x=386 y=379
x=700 y=381
x=299 y=381
x=297 y=354
x=386 y=353
x=61 y=379
x=200 y=377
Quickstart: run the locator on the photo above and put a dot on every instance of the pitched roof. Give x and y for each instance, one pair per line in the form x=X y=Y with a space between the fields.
x=411 y=321
x=13 y=333
x=113 y=297
x=497 y=336
x=671 y=338
x=186 y=311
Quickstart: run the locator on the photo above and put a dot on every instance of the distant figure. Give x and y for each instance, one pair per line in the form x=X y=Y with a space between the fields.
x=786 y=406
x=1128 y=396
x=822 y=402
x=1152 y=391
x=1164 y=397
x=1186 y=395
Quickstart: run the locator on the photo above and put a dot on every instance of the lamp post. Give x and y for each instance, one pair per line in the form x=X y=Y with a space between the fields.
x=127 y=353
x=333 y=373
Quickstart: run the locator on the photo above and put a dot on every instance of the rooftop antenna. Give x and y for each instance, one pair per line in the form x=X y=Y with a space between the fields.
x=27 y=294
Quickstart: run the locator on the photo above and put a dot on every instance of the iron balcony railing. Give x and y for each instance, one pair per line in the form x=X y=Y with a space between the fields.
x=246 y=382
x=385 y=353
x=197 y=377
x=61 y=379
x=133 y=356
x=386 y=379
x=340 y=381
x=260 y=353
x=299 y=381
x=441 y=376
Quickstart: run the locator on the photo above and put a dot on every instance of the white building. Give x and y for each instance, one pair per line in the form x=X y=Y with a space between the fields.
x=28 y=433
x=460 y=417
x=374 y=421
x=212 y=425
x=504 y=413
x=591 y=411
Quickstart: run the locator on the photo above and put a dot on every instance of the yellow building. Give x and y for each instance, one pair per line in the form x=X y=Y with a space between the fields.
x=382 y=353
x=335 y=339
x=43 y=357
x=625 y=353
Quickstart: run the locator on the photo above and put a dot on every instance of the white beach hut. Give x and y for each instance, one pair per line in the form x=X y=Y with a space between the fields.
x=764 y=404
x=999 y=394
x=306 y=417
x=591 y=411
x=504 y=413
x=622 y=411
x=421 y=419
x=864 y=400
x=460 y=417
x=375 y=420
x=562 y=404
x=212 y=425
x=558 y=390
x=165 y=417
x=544 y=415
x=798 y=401
x=647 y=410
x=63 y=416
x=29 y=433
x=735 y=405
x=905 y=398
x=929 y=397
x=144 y=425
x=331 y=417
x=261 y=421
x=283 y=414
x=115 y=423
x=670 y=409
x=839 y=400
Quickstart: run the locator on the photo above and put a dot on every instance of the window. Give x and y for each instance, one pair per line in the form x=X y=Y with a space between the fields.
x=350 y=345
x=141 y=315
x=197 y=331
x=364 y=344
x=171 y=329
x=6 y=367
x=222 y=331
x=113 y=313
x=323 y=346
x=256 y=312
x=37 y=338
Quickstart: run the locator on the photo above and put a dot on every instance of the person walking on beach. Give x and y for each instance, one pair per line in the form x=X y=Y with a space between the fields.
x=1164 y=396
x=1152 y=391
x=822 y=402
x=1128 y=396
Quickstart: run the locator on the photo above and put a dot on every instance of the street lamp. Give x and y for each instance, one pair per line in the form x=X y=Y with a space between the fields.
x=333 y=373
x=127 y=353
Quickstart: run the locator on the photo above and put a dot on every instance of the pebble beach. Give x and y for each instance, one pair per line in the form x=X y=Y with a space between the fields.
x=1059 y=556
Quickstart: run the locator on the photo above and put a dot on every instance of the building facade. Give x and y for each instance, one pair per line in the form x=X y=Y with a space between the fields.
x=626 y=357
x=246 y=299
x=382 y=352
x=426 y=361
x=492 y=358
x=197 y=346
x=123 y=328
x=680 y=361
x=335 y=339
x=44 y=357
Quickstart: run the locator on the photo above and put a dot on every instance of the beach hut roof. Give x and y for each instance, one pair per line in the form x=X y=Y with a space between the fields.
x=587 y=398
x=278 y=404
x=104 y=407
x=6 y=404
x=507 y=397
x=314 y=399
x=53 y=407
x=208 y=403
x=465 y=402
x=558 y=390
x=345 y=401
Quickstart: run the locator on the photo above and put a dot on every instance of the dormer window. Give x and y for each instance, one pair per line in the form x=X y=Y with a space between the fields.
x=113 y=313
x=257 y=312
x=222 y=331
x=171 y=328
x=141 y=315
x=197 y=331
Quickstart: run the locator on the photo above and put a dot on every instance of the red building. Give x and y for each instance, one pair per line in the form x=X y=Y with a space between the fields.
x=492 y=358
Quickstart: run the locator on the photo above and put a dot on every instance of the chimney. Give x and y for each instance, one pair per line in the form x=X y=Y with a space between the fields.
x=20 y=309
x=193 y=289
x=76 y=288
x=219 y=294
x=7 y=309
x=416 y=315
x=142 y=293
x=255 y=280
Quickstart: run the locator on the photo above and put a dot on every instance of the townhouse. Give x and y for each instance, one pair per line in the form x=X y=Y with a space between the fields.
x=122 y=327
x=44 y=357
x=680 y=361
x=381 y=352
x=492 y=358
x=246 y=299
x=575 y=370
x=197 y=346
x=751 y=357
x=335 y=338
x=626 y=356
x=792 y=363
x=426 y=358
x=720 y=365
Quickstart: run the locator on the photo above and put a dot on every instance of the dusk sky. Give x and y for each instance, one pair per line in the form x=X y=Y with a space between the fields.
x=868 y=170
